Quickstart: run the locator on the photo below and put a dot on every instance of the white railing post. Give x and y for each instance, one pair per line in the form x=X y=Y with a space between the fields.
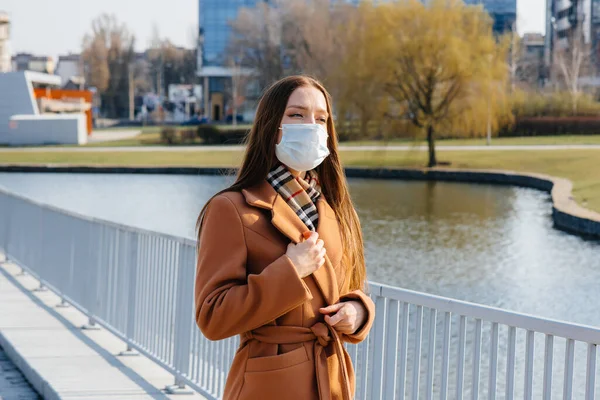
x=378 y=332
x=63 y=301
x=41 y=266
x=391 y=349
x=184 y=317
x=132 y=268
x=590 y=381
x=92 y=271
x=5 y=209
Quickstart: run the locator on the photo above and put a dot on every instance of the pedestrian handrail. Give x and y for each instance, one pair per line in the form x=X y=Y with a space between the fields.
x=138 y=284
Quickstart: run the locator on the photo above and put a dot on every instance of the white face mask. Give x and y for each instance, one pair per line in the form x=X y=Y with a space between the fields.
x=303 y=146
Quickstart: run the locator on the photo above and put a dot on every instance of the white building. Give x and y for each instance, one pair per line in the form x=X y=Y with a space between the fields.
x=23 y=121
x=5 y=62
x=29 y=62
x=69 y=68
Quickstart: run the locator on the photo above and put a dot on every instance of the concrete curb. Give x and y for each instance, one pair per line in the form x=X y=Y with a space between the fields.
x=34 y=378
x=566 y=213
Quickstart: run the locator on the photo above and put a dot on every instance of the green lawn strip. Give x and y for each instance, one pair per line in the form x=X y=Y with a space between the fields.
x=517 y=141
x=152 y=138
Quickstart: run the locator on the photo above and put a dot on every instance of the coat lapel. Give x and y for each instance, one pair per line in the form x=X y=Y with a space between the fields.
x=288 y=223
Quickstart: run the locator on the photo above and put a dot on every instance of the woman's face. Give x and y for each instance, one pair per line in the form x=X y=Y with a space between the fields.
x=306 y=105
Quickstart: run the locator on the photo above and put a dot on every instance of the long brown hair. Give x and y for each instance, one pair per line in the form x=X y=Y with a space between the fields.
x=260 y=158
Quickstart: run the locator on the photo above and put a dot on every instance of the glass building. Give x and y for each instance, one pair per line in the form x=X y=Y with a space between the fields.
x=504 y=13
x=214 y=26
x=214 y=19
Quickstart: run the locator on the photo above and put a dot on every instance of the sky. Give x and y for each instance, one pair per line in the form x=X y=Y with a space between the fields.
x=57 y=27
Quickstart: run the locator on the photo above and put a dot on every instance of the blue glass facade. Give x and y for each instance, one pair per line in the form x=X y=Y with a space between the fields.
x=215 y=16
x=504 y=12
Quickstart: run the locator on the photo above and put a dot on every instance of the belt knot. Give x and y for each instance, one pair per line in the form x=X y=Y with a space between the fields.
x=321 y=331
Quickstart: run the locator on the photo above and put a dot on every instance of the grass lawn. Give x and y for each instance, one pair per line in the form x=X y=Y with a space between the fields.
x=582 y=167
x=150 y=136
x=518 y=141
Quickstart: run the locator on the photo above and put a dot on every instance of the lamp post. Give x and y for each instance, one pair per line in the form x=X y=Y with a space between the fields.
x=489 y=108
x=131 y=91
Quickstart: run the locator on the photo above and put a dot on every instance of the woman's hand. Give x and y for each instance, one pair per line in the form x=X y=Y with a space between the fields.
x=345 y=317
x=307 y=256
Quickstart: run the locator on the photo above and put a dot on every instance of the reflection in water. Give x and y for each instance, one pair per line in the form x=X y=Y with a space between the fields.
x=488 y=244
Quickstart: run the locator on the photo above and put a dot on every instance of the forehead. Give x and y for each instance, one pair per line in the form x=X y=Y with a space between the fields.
x=308 y=96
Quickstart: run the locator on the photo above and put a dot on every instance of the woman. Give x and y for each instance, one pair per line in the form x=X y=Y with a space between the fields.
x=280 y=258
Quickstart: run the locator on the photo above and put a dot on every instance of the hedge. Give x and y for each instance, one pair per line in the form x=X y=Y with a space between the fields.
x=552 y=126
x=211 y=134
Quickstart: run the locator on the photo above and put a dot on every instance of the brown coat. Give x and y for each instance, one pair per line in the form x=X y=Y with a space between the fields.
x=246 y=285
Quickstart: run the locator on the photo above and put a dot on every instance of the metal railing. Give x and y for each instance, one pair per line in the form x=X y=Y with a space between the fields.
x=139 y=285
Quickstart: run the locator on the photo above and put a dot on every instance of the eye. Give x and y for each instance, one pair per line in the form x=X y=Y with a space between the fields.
x=296 y=115
x=323 y=120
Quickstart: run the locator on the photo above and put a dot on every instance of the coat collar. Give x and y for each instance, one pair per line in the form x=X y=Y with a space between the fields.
x=288 y=223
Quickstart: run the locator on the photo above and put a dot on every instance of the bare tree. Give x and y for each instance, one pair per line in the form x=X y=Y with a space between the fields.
x=95 y=56
x=257 y=36
x=240 y=78
x=314 y=34
x=170 y=64
x=572 y=60
x=108 y=53
x=516 y=55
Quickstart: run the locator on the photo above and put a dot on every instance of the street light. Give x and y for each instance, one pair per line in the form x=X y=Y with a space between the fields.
x=489 y=110
x=130 y=87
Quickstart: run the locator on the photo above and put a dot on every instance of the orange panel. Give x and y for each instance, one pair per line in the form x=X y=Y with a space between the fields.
x=58 y=94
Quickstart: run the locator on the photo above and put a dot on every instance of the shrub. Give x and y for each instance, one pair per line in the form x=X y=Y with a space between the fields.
x=552 y=104
x=233 y=135
x=187 y=135
x=208 y=133
x=211 y=134
x=168 y=134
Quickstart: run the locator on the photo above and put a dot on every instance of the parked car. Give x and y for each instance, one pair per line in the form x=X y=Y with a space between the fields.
x=195 y=121
x=239 y=118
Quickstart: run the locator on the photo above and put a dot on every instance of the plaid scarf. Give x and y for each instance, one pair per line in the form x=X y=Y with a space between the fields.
x=301 y=195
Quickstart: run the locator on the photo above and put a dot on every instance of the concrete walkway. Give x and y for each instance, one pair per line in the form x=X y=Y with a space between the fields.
x=344 y=148
x=60 y=360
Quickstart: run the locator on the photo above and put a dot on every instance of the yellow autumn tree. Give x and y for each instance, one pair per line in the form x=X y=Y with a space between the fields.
x=444 y=69
x=360 y=99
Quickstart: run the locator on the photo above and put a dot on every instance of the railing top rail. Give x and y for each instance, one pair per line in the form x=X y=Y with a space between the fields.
x=127 y=228
x=583 y=333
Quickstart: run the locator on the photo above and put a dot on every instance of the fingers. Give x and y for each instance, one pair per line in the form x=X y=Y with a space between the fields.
x=339 y=316
x=317 y=252
x=337 y=320
x=312 y=238
x=320 y=244
x=322 y=253
x=344 y=318
x=331 y=309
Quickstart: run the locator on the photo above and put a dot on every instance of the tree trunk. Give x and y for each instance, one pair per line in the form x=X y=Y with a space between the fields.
x=431 y=143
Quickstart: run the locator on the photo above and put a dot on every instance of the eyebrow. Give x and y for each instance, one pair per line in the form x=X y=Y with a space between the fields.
x=306 y=109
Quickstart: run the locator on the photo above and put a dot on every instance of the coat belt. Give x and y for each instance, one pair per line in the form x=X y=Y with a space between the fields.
x=323 y=335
